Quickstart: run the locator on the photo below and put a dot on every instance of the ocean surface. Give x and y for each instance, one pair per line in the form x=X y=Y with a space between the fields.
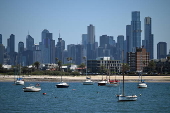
x=79 y=98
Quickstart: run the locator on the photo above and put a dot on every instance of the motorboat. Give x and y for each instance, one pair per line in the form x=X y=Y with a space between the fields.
x=88 y=82
x=62 y=85
x=32 y=88
x=102 y=83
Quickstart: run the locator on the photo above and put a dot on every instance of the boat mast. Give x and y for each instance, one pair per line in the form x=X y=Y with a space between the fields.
x=123 y=72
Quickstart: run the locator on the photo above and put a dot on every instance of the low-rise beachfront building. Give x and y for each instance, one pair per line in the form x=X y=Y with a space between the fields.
x=104 y=65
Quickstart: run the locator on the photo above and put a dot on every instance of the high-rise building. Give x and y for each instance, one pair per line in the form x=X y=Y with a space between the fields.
x=20 y=47
x=78 y=54
x=37 y=54
x=91 y=34
x=20 y=52
x=29 y=43
x=11 y=44
x=91 y=48
x=161 y=50
x=71 y=48
x=60 y=47
x=0 y=38
x=47 y=47
x=148 y=36
x=84 y=43
x=2 y=51
x=120 y=47
x=129 y=38
x=11 y=54
x=136 y=29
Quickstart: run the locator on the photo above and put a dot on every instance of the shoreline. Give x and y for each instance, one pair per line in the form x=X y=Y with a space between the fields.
x=97 y=78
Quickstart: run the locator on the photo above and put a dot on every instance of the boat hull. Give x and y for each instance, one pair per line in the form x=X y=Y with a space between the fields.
x=127 y=98
x=142 y=85
x=102 y=83
x=19 y=82
x=88 y=82
x=29 y=89
x=62 y=85
x=112 y=84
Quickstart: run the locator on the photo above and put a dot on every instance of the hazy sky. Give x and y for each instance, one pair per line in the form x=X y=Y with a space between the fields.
x=71 y=18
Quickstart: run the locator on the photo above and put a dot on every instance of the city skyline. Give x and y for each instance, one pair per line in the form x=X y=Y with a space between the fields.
x=71 y=18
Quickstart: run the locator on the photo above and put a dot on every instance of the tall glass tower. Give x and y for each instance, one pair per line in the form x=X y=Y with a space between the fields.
x=148 y=39
x=136 y=29
x=91 y=52
x=29 y=42
x=0 y=38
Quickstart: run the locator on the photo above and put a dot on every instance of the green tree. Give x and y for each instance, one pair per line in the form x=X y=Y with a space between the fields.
x=126 y=67
x=82 y=66
x=37 y=64
x=151 y=65
x=60 y=65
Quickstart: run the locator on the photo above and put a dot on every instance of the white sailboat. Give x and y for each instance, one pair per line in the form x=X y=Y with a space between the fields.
x=18 y=80
x=62 y=84
x=88 y=79
x=124 y=97
x=141 y=83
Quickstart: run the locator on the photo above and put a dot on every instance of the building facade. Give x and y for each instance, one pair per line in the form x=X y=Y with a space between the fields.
x=138 y=60
x=161 y=50
x=101 y=63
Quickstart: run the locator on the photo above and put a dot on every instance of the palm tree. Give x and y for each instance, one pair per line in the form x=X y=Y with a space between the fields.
x=59 y=64
x=37 y=64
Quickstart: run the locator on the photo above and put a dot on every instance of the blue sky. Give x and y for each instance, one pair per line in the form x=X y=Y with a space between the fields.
x=71 y=18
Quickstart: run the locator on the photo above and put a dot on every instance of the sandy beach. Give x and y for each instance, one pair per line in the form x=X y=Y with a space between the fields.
x=48 y=78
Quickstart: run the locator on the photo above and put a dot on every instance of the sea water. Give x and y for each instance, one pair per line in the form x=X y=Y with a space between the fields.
x=79 y=98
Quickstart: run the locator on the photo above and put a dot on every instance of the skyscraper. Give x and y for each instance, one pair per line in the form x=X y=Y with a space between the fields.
x=47 y=47
x=20 y=47
x=11 y=44
x=11 y=50
x=0 y=38
x=91 y=48
x=29 y=43
x=120 y=47
x=161 y=50
x=2 y=50
x=136 y=29
x=148 y=37
x=129 y=38
x=60 y=47
x=20 y=52
x=90 y=34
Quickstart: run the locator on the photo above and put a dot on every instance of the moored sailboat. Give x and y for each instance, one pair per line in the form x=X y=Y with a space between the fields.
x=62 y=84
x=124 y=97
x=141 y=83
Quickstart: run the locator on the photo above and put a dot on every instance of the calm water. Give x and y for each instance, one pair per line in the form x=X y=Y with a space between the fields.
x=84 y=99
